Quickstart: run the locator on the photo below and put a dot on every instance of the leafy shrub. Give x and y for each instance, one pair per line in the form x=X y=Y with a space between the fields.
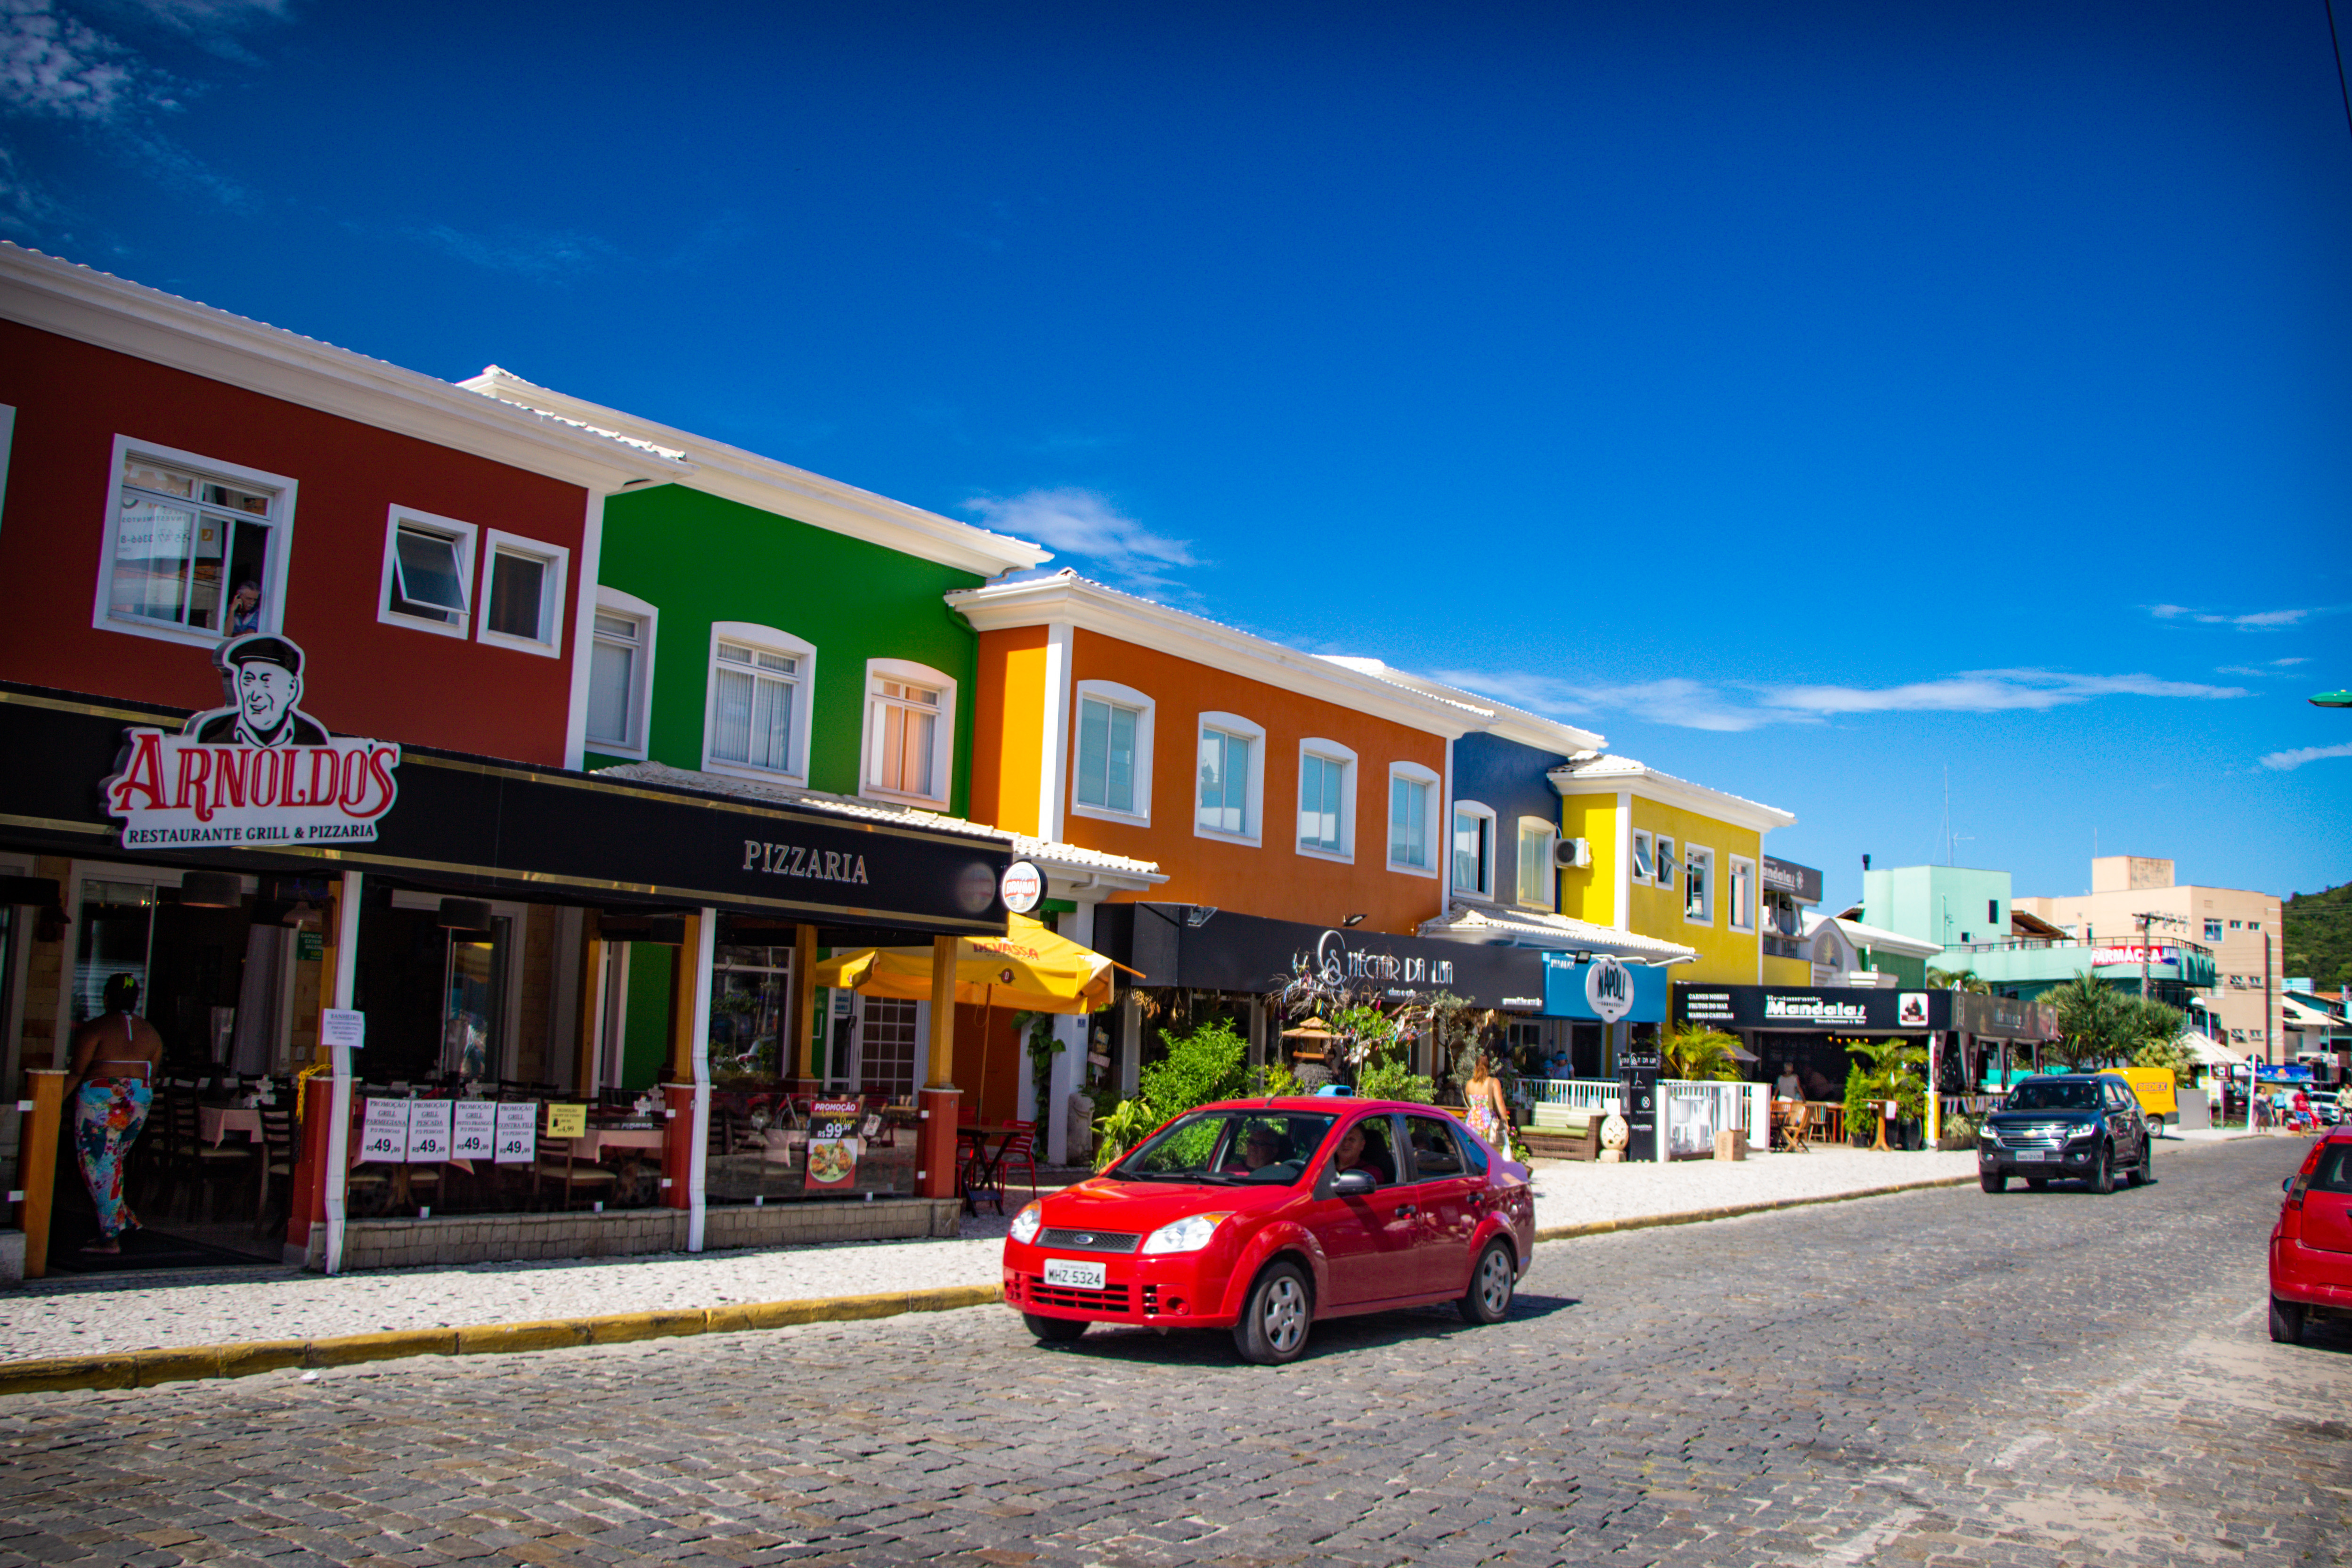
x=1275 y=1079
x=1389 y=1080
x=1201 y=1066
x=1126 y=1125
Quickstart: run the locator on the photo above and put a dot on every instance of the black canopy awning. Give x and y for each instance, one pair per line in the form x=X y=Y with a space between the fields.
x=482 y=826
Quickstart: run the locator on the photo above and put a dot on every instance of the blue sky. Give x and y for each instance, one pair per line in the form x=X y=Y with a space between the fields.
x=1812 y=398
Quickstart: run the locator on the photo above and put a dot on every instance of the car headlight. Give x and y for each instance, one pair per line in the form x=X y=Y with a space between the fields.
x=2076 y=1135
x=1025 y=1223
x=1185 y=1235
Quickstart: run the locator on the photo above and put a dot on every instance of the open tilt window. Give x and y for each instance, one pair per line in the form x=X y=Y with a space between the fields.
x=195 y=548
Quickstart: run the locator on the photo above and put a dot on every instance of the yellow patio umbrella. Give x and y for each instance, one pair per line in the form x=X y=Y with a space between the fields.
x=1029 y=969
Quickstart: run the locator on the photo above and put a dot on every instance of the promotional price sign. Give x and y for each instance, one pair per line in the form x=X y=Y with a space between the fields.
x=384 y=1131
x=518 y=1133
x=473 y=1135
x=833 y=1145
x=566 y=1121
x=428 y=1131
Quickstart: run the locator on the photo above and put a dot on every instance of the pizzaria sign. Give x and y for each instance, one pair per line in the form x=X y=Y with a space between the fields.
x=259 y=772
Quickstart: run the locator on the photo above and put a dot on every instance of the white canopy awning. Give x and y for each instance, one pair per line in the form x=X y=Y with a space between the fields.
x=2210 y=1052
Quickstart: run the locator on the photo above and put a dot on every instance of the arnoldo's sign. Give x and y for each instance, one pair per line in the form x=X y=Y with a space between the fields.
x=257 y=772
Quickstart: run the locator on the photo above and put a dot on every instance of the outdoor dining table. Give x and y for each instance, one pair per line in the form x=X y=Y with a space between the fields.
x=973 y=1165
x=593 y=1143
x=215 y=1123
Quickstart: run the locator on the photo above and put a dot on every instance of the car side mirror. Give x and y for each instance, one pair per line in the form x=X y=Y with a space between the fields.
x=1354 y=1183
x=2287 y=1185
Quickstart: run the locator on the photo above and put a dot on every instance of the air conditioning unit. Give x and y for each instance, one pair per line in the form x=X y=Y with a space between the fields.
x=1575 y=852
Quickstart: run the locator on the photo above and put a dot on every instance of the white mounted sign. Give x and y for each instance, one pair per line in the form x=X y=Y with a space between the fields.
x=474 y=1132
x=1023 y=887
x=384 y=1131
x=1608 y=989
x=345 y=1026
x=259 y=771
x=518 y=1133
x=428 y=1131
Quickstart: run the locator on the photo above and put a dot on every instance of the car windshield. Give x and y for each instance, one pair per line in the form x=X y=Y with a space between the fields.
x=1228 y=1147
x=2054 y=1094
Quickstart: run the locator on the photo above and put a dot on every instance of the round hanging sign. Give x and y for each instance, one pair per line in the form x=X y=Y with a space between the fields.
x=1608 y=988
x=1024 y=887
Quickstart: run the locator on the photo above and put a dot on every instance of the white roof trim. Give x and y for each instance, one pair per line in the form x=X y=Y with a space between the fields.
x=1065 y=596
x=1072 y=862
x=1511 y=723
x=1876 y=937
x=97 y=307
x=1465 y=922
x=1606 y=775
x=774 y=487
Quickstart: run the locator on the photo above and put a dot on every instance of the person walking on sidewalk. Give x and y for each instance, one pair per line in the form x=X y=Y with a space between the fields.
x=115 y=1056
x=1489 y=1117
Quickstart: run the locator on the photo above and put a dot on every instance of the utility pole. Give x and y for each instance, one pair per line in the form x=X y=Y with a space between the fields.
x=2145 y=919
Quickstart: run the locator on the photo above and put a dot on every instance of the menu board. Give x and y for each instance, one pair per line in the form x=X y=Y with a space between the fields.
x=384 y=1131
x=518 y=1133
x=474 y=1133
x=428 y=1131
x=833 y=1146
x=566 y=1121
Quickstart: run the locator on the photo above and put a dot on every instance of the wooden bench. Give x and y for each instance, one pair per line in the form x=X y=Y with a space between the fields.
x=1560 y=1132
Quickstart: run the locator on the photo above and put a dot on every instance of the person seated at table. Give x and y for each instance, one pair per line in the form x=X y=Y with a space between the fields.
x=1364 y=1148
x=1787 y=1086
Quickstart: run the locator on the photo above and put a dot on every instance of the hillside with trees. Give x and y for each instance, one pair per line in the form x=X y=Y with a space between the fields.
x=2319 y=941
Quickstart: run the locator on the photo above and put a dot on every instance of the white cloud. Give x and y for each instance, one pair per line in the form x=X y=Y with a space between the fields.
x=2288 y=761
x=53 y=65
x=540 y=256
x=1072 y=521
x=1695 y=704
x=209 y=16
x=2256 y=620
x=2283 y=664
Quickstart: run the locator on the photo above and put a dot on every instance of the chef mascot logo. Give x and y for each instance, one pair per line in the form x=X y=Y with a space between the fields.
x=259 y=771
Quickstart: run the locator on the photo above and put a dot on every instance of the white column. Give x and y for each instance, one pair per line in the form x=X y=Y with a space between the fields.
x=1069 y=1066
x=697 y=1156
x=1760 y=1117
x=1053 y=762
x=339 y=1107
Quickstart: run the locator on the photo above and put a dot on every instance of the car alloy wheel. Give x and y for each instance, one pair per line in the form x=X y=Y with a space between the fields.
x=2103 y=1171
x=2286 y=1322
x=1275 y=1318
x=2144 y=1171
x=1488 y=1299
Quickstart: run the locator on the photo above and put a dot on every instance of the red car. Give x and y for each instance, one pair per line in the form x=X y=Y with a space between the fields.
x=2311 y=1245
x=1262 y=1216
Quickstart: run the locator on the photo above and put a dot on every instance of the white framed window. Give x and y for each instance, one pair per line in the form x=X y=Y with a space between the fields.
x=1110 y=768
x=1229 y=786
x=1743 y=894
x=195 y=548
x=1474 y=849
x=756 y=711
x=621 y=673
x=1666 y=862
x=1539 y=883
x=1412 y=818
x=1699 y=885
x=428 y=572
x=520 y=604
x=909 y=731
x=1327 y=800
x=1644 y=853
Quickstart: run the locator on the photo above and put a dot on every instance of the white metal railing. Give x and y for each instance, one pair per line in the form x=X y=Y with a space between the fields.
x=1570 y=1093
x=1696 y=1111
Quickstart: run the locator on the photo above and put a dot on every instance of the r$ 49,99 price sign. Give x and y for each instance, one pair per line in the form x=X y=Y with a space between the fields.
x=384 y=1131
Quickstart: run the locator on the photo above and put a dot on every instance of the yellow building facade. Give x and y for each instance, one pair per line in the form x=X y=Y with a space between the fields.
x=1674 y=860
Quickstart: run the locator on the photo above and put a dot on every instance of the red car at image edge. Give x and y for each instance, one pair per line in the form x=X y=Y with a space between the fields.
x=2310 y=1245
x=1264 y=1217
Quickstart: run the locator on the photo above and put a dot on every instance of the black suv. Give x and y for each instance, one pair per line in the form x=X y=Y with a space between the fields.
x=2076 y=1126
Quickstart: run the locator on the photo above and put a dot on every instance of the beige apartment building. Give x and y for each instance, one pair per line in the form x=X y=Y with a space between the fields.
x=2241 y=928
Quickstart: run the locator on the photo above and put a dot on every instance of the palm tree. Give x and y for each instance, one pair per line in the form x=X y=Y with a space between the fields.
x=1695 y=1053
x=1967 y=980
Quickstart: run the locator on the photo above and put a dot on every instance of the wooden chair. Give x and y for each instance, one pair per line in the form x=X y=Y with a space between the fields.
x=277 y=1161
x=556 y=1163
x=1793 y=1118
x=196 y=1164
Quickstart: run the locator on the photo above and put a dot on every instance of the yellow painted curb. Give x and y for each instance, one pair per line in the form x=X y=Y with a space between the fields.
x=1733 y=1211
x=144 y=1368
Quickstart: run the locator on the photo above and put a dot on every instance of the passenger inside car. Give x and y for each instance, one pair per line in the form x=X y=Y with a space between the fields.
x=1365 y=1147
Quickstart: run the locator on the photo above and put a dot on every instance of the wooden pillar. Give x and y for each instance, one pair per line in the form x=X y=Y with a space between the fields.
x=591 y=1011
x=36 y=1164
x=682 y=982
x=935 y=1164
x=804 y=1002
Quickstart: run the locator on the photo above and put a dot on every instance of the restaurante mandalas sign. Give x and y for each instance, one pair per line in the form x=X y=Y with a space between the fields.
x=259 y=772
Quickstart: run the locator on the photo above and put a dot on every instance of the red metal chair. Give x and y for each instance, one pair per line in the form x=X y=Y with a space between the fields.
x=1018 y=1151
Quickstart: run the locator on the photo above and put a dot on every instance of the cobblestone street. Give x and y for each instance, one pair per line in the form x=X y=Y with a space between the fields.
x=1939 y=1376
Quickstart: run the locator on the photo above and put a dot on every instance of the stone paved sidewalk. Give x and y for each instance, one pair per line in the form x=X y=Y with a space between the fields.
x=177 y=1310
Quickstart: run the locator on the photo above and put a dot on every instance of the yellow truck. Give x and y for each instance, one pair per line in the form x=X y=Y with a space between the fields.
x=2154 y=1088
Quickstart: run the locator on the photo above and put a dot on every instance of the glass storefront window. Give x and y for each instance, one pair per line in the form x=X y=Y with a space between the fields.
x=471 y=998
x=751 y=998
x=885 y=1047
x=118 y=925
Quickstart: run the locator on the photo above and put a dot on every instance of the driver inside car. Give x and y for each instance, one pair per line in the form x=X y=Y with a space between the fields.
x=1261 y=1146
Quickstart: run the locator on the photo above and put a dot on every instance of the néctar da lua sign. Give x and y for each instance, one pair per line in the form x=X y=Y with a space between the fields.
x=259 y=771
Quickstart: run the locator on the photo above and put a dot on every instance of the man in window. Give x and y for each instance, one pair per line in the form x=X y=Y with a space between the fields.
x=264 y=676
